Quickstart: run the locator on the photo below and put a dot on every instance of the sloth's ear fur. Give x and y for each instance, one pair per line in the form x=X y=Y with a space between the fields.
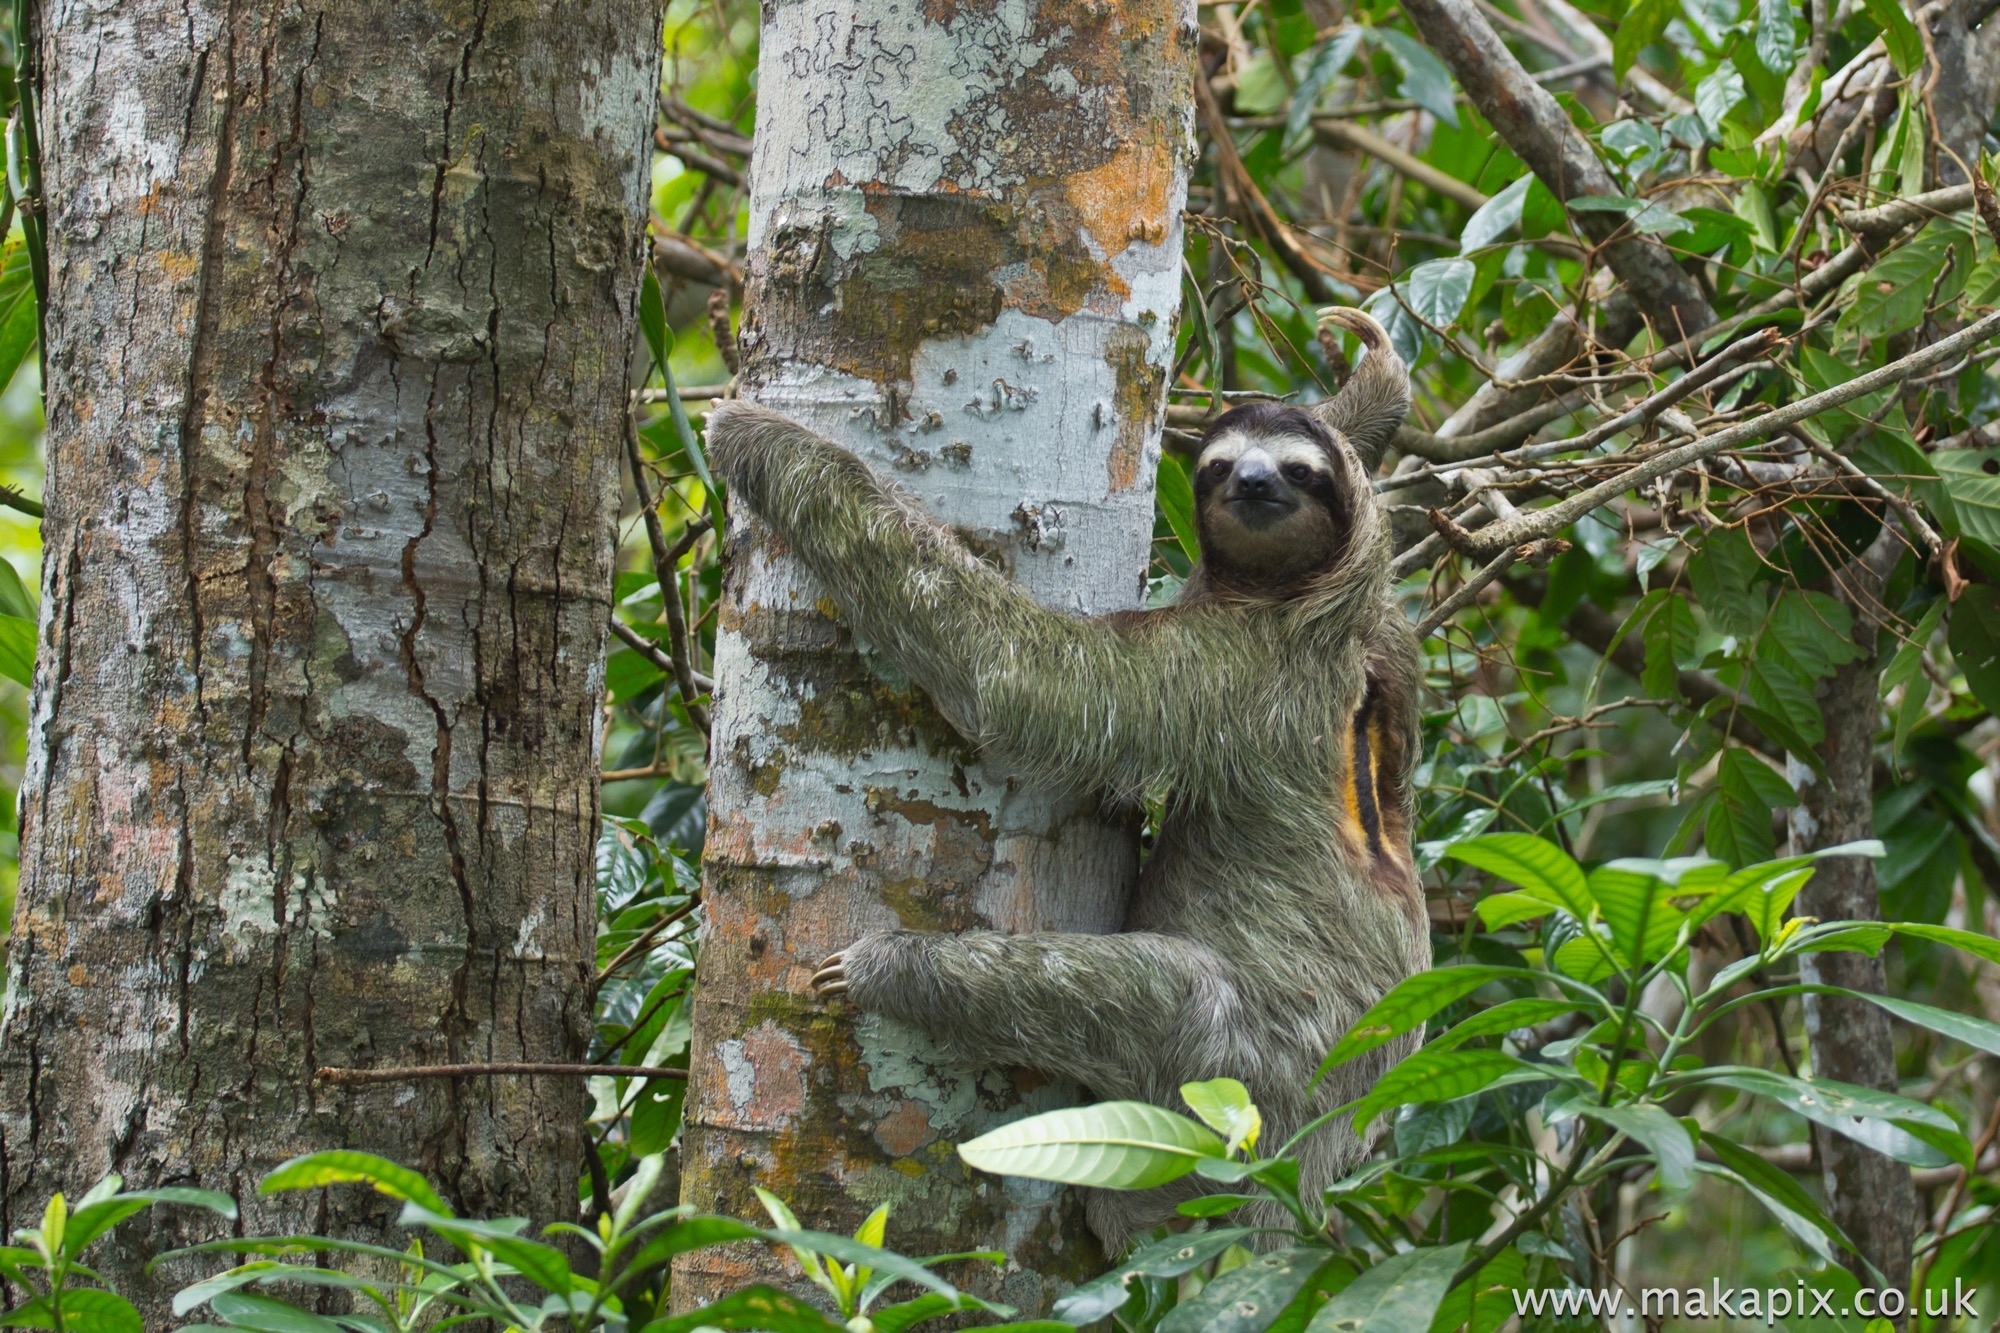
x=1372 y=404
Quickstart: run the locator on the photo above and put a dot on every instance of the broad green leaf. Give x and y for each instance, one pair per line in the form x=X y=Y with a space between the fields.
x=1112 y=1145
x=544 y=1265
x=1899 y=34
x=19 y=321
x=1496 y=217
x=1777 y=43
x=653 y=319
x=1716 y=96
x=1586 y=956
x=1670 y=642
x=1979 y=1033
x=1660 y=1133
x=1093 y=1300
x=1975 y=641
x=1425 y=79
x=1815 y=629
x=1224 y=1105
x=1979 y=946
x=1176 y=501
x=1893 y=295
x=1642 y=25
x=341 y=1166
x=1320 y=75
x=240 y=1309
x=1722 y=571
x=1442 y=1076
x=1541 y=868
x=1400 y=1294
x=1499 y=910
x=1634 y=903
x=756 y=1307
x=1407 y=1006
x=1866 y=1115
x=1247 y=1298
x=907 y=1314
x=94 y=1219
x=17 y=649
x=1504 y=1018
x=1748 y=790
x=84 y=1310
x=1753 y=205
x=1436 y=289
x=1797 y=1224
x=15 y=599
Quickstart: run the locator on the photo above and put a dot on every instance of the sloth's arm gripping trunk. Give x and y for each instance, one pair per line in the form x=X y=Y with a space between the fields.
x=1086 y=704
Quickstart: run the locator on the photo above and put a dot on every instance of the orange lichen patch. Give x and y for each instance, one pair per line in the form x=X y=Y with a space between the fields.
x=1125 y=199
x=904 y=1130
x=79 y=975
x=1137 y=389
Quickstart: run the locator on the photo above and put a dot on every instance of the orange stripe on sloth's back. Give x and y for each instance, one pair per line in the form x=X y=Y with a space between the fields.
x=1373 y=825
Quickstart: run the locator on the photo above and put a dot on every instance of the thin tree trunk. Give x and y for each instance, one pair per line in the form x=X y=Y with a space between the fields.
x=1868 y=1194
x=342 y=300
x=965 y=265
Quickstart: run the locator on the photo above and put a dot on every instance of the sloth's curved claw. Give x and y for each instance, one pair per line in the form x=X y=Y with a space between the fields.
x=831 y=979
x=1358 y=322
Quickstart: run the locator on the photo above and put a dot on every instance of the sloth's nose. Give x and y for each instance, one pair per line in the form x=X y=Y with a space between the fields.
x=1256 y=479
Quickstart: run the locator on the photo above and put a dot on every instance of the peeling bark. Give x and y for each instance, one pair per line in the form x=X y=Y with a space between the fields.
x=965 y=265
x=342 y=301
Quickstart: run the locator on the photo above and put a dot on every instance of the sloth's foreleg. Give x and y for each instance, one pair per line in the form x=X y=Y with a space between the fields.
x=1126 y=1015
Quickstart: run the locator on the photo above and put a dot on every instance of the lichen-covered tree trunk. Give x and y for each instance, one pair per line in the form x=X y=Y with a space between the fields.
x=342 y=298
x=965 y=266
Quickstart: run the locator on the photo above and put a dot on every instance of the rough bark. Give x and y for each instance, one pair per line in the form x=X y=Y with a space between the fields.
x=1868 y=1194
x=965 y=255
x=342 y=301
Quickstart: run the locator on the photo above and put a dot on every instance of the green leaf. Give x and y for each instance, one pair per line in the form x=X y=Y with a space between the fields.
x=1093 y=1300
x=341 y=1166
x=1866 y=1115
x=15 y=599
x=241 y=1309
x=1806 y=1224
x=756 y=1307
x=1247 y=1298
x=1398 y=1295
x=1504 y=1018
x=1642 y=25
x=20 y=324
x=1496 y=217
x=1656 y=1130
x=1899 y=34
x=1442 y=1076
x=1112 y=1145
x=1425 y=79
x=1715 y=97
x=1777 y=46
x=1437 y=288
x=1815 y=629
x=1975 y=642
x=1320 y=75
x=1224 y=1105
x=1634 y=904
x=1542 y=869
x=906 y=1314
x=17 y=649
x=544 y=1265
x=1176 y=502
x=653 y=319
x=1406 y=1006
x=1670 y=641
x=1979 y=1033
x=1979 y=946
x=94 y=1219
x=1722 y=571
x=85 y=1310
x=1893 y=295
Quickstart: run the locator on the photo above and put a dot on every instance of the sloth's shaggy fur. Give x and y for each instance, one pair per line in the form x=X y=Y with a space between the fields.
x=1276 y=705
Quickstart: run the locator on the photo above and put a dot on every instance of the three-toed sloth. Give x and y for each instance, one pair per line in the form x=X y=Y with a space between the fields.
x=1275 y=703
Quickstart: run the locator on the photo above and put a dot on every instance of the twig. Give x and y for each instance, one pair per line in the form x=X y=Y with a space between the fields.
x=1892 y=217
x=645 y=941
x=1539 y=523
x=665 y=559
x=1532 y=552
x=699 y=161
x=1337 y=133
x=412 y=1073
x=13 y=499
x=1237 y=182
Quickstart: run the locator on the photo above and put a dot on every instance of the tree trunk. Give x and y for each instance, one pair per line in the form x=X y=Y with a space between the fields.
x=341 y=310
x=965 y=265
x=1868 y=1194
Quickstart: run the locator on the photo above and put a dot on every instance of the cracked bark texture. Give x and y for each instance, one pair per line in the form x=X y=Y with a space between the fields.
x=964 y=265
x=342 y=306
x=1869 y=1194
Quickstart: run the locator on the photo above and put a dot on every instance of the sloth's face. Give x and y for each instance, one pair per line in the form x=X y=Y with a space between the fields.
x=1268 y=500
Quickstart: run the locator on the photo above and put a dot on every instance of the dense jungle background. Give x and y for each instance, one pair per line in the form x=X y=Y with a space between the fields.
x=1664 y=679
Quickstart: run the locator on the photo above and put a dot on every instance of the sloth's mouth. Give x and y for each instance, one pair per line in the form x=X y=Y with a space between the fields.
x=1262 y=507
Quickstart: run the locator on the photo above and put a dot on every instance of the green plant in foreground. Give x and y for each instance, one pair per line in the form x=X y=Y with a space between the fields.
x=522 y=1285
x=1438 y=1231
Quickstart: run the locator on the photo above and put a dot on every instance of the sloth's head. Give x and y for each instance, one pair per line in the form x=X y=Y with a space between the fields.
x=1274 y=498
